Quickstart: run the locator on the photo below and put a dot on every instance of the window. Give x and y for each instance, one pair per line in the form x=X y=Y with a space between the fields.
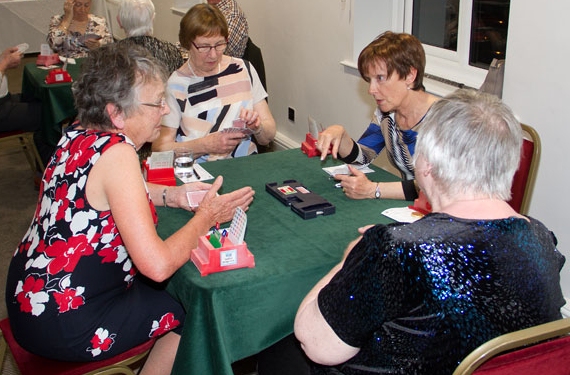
x=461 y=38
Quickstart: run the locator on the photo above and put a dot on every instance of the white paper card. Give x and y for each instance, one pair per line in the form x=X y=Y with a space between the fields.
x=159 y=160
x=343 y=169
x=402 y=214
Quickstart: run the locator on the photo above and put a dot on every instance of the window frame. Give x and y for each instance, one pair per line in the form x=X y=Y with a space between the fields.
x=446 y=65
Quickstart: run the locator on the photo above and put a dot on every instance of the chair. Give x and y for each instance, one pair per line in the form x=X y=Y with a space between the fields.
x=525 y=176
x=31 y=364
x=26 y=140
x=543 y=349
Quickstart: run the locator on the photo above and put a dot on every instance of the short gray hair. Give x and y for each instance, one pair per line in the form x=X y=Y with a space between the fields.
x=472 y=141
x=136 y=17
x=113 y=73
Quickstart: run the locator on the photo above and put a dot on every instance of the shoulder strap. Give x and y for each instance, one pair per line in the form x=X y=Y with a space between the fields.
x=246 y=62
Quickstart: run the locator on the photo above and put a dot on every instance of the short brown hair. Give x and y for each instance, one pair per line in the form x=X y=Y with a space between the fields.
x=399 y=51
x=201 y=20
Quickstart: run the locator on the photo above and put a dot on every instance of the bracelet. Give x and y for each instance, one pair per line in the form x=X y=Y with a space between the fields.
x=164 y=197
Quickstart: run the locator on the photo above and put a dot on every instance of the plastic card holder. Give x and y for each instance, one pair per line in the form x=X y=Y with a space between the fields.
x=302 y=201
x=162 y=176
x=58 y=75
x=209 y=259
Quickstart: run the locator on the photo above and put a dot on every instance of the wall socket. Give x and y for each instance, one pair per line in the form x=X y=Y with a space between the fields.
x=291 y=114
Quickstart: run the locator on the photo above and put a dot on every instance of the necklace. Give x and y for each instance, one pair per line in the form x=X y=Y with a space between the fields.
x=194 y=73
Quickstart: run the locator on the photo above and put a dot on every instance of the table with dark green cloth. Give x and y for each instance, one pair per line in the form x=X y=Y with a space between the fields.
x=235 y=314
x=56 y=98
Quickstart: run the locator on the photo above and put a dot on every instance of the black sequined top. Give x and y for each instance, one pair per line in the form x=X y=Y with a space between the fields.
x=417 y=298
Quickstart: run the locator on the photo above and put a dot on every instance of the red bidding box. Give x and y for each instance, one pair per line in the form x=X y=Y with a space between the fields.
x=162 y=176
x=209 y=259
x=309 y=146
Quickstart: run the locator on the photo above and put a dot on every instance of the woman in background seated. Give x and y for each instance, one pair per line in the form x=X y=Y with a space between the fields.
x=212 y=90
x=136 y=18
x=417 y=298
x=84 y=283
x=393 y=65
x=76 y=32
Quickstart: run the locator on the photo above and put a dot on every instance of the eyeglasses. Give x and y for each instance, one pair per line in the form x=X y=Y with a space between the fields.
x=220 y=47
x=160 y=104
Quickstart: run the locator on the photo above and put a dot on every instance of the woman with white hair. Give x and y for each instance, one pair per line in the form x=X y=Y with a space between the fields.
x=136 y=18
x=417 y=298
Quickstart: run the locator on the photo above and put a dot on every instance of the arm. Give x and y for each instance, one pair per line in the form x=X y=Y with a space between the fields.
x=58 y=27
x=213 y=143
x=261 y=121
x=10 y=58
x=116 y=183
x=336 y=136
x=358 y=186
x=373 y=277
x=58 y=32
x=318 y=340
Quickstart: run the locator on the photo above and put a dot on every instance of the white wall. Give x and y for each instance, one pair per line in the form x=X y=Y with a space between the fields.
x=536 y=86
x=304 y=41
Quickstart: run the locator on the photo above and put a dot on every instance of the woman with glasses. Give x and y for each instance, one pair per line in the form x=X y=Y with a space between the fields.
x=217 y=103
x=85 y=283
x=76 y=31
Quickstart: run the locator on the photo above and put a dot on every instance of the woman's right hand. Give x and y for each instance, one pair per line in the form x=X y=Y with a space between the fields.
x=331 y=136
x=221 y=208
x=68 y=10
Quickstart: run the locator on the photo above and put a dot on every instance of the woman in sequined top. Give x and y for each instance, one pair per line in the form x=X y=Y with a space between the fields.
x=393 y=66
x=75 y=32
x=417 y=298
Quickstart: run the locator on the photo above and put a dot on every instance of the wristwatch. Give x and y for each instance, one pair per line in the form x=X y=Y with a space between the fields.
x=377 y=194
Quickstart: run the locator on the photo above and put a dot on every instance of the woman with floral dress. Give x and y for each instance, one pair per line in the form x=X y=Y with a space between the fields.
x=85 y=282
x=75 y=32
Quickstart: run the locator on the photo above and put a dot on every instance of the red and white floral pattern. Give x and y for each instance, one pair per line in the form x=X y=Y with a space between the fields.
x=74 y=253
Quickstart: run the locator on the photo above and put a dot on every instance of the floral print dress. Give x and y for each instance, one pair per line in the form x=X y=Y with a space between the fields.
x=72 y=44
x=73 y=293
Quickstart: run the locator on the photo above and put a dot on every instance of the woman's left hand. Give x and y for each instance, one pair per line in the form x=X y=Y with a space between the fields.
x=356 y=185
x=92 y=43
x=251 y=118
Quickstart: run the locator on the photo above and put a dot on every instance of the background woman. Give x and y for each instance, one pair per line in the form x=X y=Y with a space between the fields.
x=212 y=90
x=417 y=298
x=393 y=65
x=76 y=31
x=136 y=17
x=83 y=284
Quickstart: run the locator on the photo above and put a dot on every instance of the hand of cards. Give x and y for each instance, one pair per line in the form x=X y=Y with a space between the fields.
x=238 y=126
x=23 y=47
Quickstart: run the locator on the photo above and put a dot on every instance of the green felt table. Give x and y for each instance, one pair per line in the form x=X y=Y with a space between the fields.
x=235 y=314
x=56 y=98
